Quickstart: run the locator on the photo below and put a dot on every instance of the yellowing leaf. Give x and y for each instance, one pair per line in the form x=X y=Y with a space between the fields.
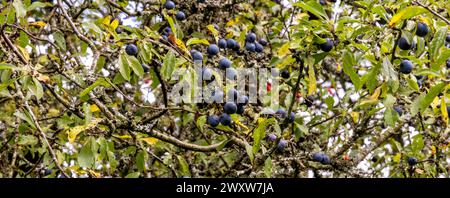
x=232 y=22
x=284 y=50
x=94 y=108
x=433 y=150
x=38 y=24
x=312 y=84
x=444 y=111
x=24 y=53
x=150 y=140
x=241 y=125
x=397 y=157
x=193 y=41
x=419 y=171
x=406 y=14
x=355 y=116
x=94 y=174
x=213 y=31
x=114 y=24
x=435 y=102
x=73 y=132
x=339 y=67
x=107 y=20
x=43 y=78
x=373 y=98
x=375 y=94
x=123 y=136
x=182 y=46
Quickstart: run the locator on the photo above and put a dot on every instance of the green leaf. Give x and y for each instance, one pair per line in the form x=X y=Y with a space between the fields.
x=98 y=82
x=193 y=41
x=389 y=101
x=412 y=82
x=140 y=160
x=135 y=65
x=249 y=150
x=133 y=175
x=390 y=116
x=155 y=80
x=20 y=9
x=415 y=106
x=222 y=144
x=86 y=157
x=429 y=97
x=258 y=134
x=171 y=23
x=7 y=83
x=184 y=166
x=348 y=63
x=437 y=42
x=441 y=60
x=406 y=13
x=314 y=7
x=4 y=66
x=60 y=40
x=38 y=4
x=124 y=67
x=145 y=52
x=371 y=77
x=390 y=74
x=168 y=66
x=201 y=122
x=38 y=87
x=23 y=39
x=268 y=167
x=417 y=144
x=25 y=140
x=25 y=116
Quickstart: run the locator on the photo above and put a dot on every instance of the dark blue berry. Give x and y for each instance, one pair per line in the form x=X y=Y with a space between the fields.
x=196 y=55
x=231 y=43
x=169 y=5
x=222 y=43
x=224 y=63
x=230 y=108
x=250 y=47
x=225 y=119
x=263 y=42
x=180 y=16
x=213 y=120
x=285 y=74
x=282 y=144
x=327 y=46
x=422 y=29
x=146 y=68
x=291 y=117
x=404 y=44
x=399 y=110
x=281 y=113
x=131 y=50
x=406 y=66
x=250 y=37
x=259 y=48
x=240 y=109
x=271 y=137
x=212 y=49
x=318 y=157
x=412 y=161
